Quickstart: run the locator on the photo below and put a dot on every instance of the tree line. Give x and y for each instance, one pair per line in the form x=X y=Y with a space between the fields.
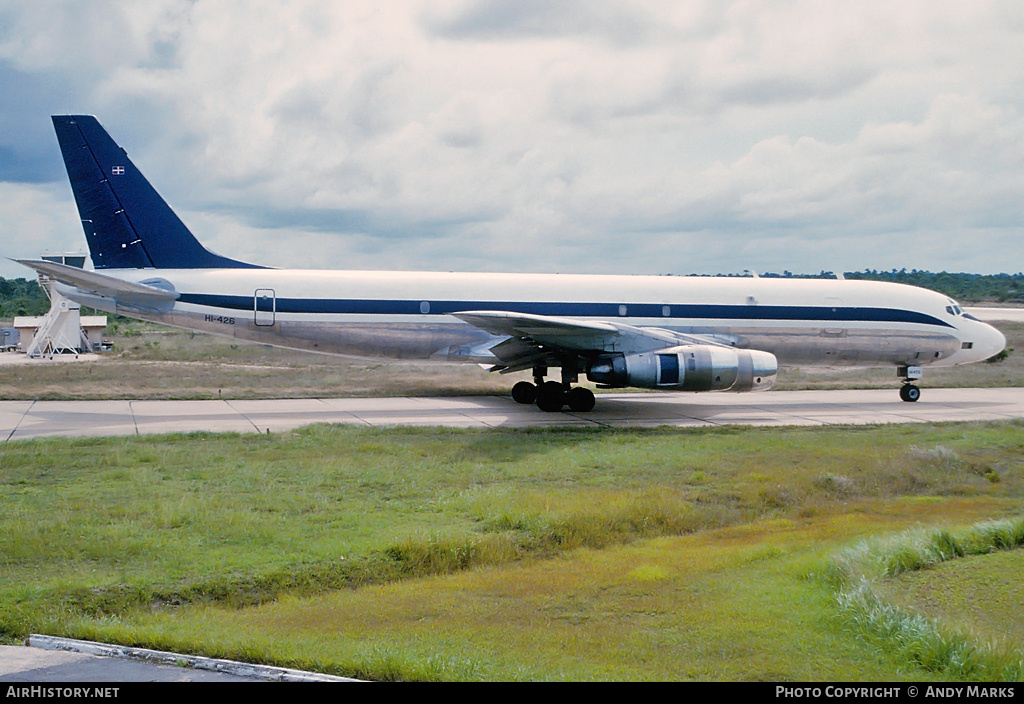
x=963 y=287
x=21 y=297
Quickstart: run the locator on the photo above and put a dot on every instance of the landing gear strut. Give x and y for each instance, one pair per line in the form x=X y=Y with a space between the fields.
x=552 y=396
x=909 y=391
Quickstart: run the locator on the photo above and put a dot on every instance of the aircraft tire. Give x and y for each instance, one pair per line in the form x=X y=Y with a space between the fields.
x=524 y=392
x=910 y=393
x=580 y=399
x=550 y=397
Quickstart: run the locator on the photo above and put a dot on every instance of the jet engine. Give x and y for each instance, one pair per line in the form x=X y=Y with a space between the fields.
x=688 y=368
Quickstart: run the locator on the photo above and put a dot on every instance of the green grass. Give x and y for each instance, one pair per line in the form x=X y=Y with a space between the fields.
x=463 y=554
x=979 y=595
x=889 y=589
x=708 y=606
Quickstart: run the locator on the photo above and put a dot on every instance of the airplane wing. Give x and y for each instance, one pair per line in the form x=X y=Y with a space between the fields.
x=533 y=340
x=124 y=293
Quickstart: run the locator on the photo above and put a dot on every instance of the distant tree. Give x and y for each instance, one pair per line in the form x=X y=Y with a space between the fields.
x=21 y=297
x=966 y=288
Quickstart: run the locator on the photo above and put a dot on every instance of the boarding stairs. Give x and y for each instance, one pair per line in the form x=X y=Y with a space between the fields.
x=61 y=329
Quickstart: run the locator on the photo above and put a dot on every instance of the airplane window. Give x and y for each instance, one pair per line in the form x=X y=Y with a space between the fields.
x=949 y=309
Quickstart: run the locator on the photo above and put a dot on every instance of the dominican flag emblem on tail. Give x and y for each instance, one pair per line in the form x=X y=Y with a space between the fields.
x=117 y=171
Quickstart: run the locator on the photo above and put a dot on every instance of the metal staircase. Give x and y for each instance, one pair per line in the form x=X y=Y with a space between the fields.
x=61 y=329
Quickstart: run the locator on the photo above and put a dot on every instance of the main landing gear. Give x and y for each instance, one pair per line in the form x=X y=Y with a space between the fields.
x=909 y=392
x=552 y=396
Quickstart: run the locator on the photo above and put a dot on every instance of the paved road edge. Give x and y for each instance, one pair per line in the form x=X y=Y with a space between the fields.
x=242 y=669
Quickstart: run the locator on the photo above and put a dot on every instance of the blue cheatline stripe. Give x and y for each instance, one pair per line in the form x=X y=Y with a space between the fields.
x=609 y=311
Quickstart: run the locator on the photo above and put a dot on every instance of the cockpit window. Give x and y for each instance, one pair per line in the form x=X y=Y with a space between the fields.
x=954 y=308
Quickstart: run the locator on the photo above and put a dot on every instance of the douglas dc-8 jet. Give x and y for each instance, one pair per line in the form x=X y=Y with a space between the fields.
x=651 y=332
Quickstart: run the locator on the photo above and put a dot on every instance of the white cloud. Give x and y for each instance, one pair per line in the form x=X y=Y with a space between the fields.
x=650 y=137
x=35 y=220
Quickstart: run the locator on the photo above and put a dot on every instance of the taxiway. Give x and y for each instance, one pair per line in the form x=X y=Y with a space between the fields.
x=29 y=419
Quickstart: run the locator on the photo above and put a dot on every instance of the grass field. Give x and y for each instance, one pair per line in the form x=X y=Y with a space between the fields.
x=439 y=554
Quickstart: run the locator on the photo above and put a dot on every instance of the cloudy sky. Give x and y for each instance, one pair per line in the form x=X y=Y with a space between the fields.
x=531 y=135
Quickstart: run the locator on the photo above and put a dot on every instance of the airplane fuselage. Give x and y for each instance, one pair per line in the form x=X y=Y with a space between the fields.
x=407 y=315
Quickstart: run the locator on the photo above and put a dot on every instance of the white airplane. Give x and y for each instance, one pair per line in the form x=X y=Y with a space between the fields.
x=652 y=332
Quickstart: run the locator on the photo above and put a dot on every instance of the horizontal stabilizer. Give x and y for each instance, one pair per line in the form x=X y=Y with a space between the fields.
x=123 y=293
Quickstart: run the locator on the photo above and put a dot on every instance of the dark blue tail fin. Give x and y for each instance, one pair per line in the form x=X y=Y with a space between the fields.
x=127 y=224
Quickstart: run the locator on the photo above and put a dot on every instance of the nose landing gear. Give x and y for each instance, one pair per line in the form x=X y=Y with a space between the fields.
x=909 y=392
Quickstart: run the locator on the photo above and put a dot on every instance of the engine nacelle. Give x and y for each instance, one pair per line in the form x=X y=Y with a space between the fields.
x=689 y=368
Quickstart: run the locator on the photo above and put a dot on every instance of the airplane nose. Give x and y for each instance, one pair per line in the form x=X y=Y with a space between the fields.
x=985 y=341
x=994 y=342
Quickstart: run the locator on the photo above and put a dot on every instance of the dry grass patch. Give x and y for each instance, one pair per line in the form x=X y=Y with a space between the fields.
x=154 y=362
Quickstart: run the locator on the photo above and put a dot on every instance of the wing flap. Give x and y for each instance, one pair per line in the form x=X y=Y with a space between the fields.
x=539 y=340
x=517 y=354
